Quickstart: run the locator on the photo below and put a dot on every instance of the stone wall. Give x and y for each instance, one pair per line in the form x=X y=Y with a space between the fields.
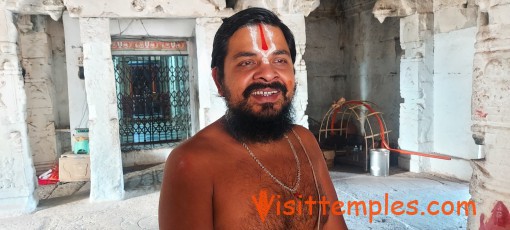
x=438 y=42
x=454 y=38
x=55 y=30
x=350 y=54
x=374 y=60
x=326 y=61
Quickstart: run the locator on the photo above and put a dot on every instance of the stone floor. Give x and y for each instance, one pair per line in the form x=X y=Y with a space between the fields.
x=353 y=185
x=139 y=209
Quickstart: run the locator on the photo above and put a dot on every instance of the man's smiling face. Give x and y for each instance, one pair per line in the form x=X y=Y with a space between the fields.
x=258 y=71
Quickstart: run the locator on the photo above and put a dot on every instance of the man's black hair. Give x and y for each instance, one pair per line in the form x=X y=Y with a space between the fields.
x=247 y=17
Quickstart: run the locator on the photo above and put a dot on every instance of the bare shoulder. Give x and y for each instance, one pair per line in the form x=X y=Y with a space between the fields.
x=196 y=153
x=194 y=148
x=304 y=132
x=308 y=139
x=188 y=182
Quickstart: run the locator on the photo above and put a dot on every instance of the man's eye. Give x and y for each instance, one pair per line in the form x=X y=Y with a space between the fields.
x=280 y=60
x=246 y=63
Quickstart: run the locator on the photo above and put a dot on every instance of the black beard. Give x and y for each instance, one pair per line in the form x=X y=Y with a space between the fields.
x=245 y=126
x=264 y=127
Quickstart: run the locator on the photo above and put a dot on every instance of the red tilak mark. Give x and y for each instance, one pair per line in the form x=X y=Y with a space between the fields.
x=499 y=218
x=262 y=38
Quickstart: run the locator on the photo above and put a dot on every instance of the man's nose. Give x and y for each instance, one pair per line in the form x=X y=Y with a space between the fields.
x=266 y=72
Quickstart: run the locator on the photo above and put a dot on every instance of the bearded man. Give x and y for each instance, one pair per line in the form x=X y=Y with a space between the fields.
x=252 y=168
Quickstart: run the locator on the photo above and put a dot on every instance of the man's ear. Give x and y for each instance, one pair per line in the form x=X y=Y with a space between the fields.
x=217 y=80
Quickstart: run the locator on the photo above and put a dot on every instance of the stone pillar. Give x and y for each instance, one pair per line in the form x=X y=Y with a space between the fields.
x=40 y=90
x=416 y=88
x=107 y=182
x=490 y=113
x=17 y=174
x=296 y=23
x=211 y=105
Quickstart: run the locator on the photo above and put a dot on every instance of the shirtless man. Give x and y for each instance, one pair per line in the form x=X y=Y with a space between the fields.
x=252 y=168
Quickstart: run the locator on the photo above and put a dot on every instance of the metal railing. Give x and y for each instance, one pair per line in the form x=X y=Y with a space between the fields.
x=153 y=97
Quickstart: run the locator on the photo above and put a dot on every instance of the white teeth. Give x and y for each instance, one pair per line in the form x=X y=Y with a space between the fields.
x=265 y=94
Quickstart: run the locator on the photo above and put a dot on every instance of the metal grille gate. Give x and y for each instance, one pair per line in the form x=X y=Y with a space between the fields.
x=153 y=100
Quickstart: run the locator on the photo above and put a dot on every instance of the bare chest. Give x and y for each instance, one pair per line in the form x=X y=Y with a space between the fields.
x=248 y=197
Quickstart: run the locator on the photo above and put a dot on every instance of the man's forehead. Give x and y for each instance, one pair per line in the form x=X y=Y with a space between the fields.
x=258 y=36
x=258 y=28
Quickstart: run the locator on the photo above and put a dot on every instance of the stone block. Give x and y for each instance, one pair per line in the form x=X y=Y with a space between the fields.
x=12 y=97
x=147 y=9
x=438 y=5
x=426 y=21
x=498 y=14
x=37 y=69
x=409 y=28
x=40 y=121
x=9 y=32
x=450 y=19
x=454 y=51
x=452 y=134
x=35 y=45
x=17 y=176
x=409 y=70
x=74 y=167
x=9 y=51
x=43 y=149
x=413 y=50
x=38 y=95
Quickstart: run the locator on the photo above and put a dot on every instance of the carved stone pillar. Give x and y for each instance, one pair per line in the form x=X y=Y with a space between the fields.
x=40 y=90
x=489 y=186
x=416 y=76
x=416 y=87
x=107 y=182
x=17 y=175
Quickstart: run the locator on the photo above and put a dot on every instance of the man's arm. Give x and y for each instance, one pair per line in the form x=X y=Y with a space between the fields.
x=186 y=192
x=334 y=222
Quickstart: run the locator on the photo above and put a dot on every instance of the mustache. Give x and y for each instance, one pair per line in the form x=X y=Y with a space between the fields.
x=257 y=86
